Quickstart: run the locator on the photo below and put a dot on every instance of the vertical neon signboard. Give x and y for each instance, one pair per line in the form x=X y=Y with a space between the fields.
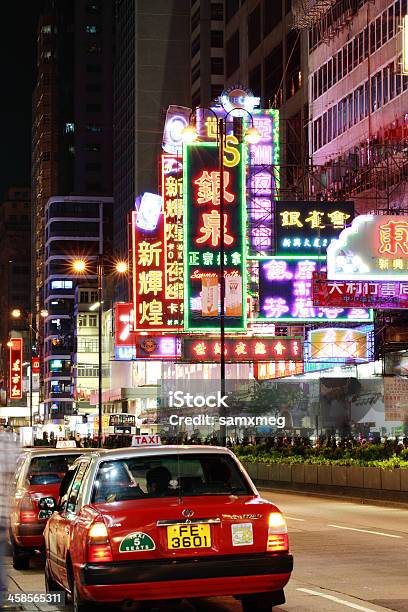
x=16 y=369
x=202 y=236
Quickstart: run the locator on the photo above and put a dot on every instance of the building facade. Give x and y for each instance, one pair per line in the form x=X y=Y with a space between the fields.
x=72 y=114
x=74 y=227
x=151 y=72
x=358 y=104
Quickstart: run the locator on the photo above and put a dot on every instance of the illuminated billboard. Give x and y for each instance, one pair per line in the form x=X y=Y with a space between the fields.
x=202 y=237
x=359 y=294
x=285 y=293
x=16 y=368
x=269 y=370
x=307 y=228
x=375 y=247
x=332 y=344
x=243 y=349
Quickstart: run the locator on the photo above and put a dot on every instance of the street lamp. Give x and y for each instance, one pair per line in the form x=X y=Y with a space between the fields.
x=81 y=266
x=16 y=313
x=251 y=136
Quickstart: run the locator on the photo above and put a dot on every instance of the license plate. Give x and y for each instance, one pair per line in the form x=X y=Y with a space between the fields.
x=188 y=536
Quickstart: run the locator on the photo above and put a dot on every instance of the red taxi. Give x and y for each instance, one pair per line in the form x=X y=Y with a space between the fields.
x=39 y=473
x=165 y=522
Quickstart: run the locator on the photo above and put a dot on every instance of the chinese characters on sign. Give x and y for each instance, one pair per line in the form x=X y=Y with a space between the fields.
x=309 y=227
x=359 y=294
x=202 y=237
x=243 y=349
x=268 y=370
x=337 y=344
x=157 y=271
x=132 y=345
x=374 y=248
x=16 y=369
x=285 y=294
x=35 y=364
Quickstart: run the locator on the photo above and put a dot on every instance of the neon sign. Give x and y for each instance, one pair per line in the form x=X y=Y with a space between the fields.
x=309 y=227
x=285 y=293
x=157 y=268
x=16 y=369
x=269 y=370
x=359 y=294
x=148 y=211
x=202 y=238
x=337 y=345
x=177 y=118
x=374 y=248
x=243 y=349
x=236 y=98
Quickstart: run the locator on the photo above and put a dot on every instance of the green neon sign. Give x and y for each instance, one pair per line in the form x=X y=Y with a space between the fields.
x=202 y=238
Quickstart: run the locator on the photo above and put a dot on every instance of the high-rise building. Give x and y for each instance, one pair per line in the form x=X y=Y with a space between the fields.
x=358 y=126
x=151 y=72
x=207 y=51
x=14 y=270
x=264 y=52
x=75 y=226
x=72 y=113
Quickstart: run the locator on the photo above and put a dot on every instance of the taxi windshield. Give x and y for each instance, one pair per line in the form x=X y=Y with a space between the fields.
x=168 y=476
x=49 y=469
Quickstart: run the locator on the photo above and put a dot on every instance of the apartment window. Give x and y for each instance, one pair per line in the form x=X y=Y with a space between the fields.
x=379 y=89
x=93 y=167
x=329 y=125
x=254 y=29
x=216 y=91
x=255 y=80
x=366 y=98
x=94 y=87
x=84 y=297
x=93 y=147
x=390 y=22
x=61 y=284
x=87 y=345
x=372 y=37
x=273 y=72
x=93 y=127
x=373 y=94
x=324 y=77
x=93 y=48
x=92 y=320
x=82 y=319
x=87 y=370
x=93 y=7
x=329 y=74
x=361 y=102
x=217 y=65
x=93 y=296
x=378 y=32
x=384 y=28
x=91 y=29
x=335 y=121
x=93 y=108
x=385 y=85
x=366 y=42
x=272 y=15
x=217 y=39
x=69 y=127
x=232 y=54
x=355 y=52
x=350 y=57
x=344 y=61
x=217 y=13
x=392 y=80
x=355 y=107
x=350 y=110
x=93 y=68
x=360 y=47
x=340 y=64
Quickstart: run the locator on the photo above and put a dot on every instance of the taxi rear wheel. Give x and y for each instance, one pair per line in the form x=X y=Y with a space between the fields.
x=21 y=560
x=260 y=603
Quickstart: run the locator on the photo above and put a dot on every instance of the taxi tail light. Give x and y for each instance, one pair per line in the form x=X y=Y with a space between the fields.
x=28 y=513
x=278 y=540
x=99 y=548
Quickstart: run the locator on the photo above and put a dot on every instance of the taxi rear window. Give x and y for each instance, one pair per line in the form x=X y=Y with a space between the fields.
x=168 y=476
x=49 y=470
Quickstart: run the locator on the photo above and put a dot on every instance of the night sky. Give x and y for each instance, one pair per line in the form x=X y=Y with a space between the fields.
x=17 y=69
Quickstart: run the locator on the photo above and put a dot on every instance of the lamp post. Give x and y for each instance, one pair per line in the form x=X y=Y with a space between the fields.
x=81 y=266
x=16 y=313
x=251 y=136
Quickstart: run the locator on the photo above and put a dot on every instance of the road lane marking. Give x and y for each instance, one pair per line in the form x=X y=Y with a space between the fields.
x=291 y=518
x=341 y=602
x=387 y=535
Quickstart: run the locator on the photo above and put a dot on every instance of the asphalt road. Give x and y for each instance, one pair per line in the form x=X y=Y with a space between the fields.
x=348 y=556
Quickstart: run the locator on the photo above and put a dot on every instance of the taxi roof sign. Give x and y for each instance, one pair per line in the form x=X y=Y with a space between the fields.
x=146 y=440
x=66 y=444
